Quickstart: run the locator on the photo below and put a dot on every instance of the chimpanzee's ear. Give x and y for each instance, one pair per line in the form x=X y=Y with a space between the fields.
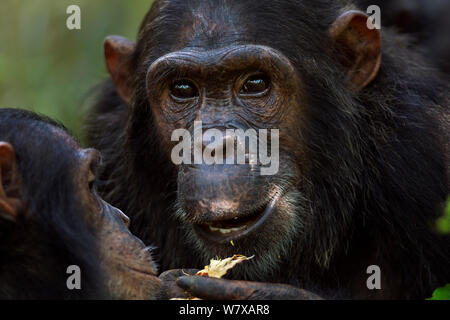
x=118 y=52
x=10 y=186
x=359 y=45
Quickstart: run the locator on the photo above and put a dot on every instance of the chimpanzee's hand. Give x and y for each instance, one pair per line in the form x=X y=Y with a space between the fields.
x=221 y=289
x=170 y=289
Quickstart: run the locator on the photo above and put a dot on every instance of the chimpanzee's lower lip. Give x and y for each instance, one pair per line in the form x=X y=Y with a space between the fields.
x=235 y=231
x=140 y=267
x=141 y=271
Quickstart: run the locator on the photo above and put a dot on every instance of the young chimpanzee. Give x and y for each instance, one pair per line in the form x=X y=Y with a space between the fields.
x=51 y=218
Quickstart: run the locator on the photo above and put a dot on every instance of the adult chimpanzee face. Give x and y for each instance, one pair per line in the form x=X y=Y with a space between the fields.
x=237 y=87
x=231 y=85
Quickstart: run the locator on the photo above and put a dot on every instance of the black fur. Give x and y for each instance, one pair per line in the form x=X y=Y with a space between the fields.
x=50 y=233
x=378 y=173
x=425 y=22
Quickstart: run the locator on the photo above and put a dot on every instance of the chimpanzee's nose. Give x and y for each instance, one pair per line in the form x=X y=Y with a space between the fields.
x=224 y=147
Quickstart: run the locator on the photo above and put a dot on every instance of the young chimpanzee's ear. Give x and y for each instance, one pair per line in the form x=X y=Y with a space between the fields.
x=118 y=52
x=360 y=47
x=10 y=186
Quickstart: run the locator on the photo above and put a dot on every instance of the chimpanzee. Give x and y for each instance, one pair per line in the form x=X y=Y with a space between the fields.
x=363 y=148
x=52 y=221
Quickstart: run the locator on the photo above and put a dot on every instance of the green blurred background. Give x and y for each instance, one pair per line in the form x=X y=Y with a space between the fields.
x=47 y=68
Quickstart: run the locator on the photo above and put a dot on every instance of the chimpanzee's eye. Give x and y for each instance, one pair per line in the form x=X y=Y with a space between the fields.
x=255 y=84
x=183 y=89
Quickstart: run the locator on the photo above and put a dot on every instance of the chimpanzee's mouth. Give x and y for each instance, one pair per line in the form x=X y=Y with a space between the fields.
x=141 y=271
x=226 y=230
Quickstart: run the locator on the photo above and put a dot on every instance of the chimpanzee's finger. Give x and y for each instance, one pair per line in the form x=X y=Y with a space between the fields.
x=174 y=274
x=220 y=289
x=215 y=289
x=170 y=289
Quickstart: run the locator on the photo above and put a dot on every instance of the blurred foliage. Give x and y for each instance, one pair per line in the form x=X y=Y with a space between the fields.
x=50 y=69
x=442 y=293
x=443 y=224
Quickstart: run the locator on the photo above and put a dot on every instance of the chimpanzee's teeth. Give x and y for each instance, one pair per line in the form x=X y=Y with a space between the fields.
x=225 y=231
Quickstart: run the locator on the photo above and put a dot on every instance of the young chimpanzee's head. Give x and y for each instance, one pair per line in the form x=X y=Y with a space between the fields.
x=51 y=218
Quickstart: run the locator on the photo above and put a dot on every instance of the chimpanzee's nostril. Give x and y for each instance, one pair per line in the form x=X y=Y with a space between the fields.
x=215 y=144
x=224 y=147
